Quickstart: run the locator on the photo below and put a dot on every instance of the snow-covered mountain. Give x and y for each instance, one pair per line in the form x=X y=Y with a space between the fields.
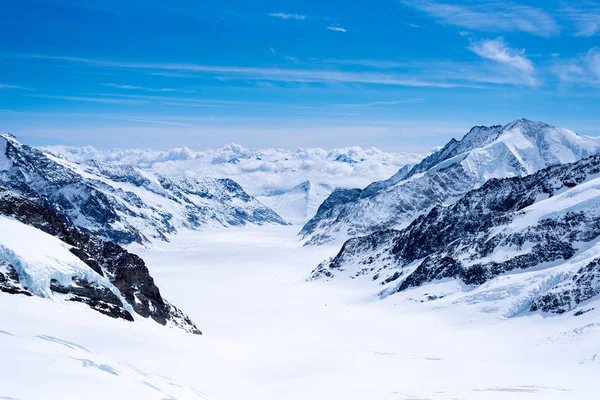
x=124 y=203
x=514 y=150
x=533 y=240
x=259 y=172
x=42 y=256
x=298 y=204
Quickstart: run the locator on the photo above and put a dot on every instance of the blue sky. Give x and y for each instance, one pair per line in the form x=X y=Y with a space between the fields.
x=396 y=74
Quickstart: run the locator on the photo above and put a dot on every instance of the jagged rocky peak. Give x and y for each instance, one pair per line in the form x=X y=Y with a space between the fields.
x=68 y=264
x=125 y=203
x=519 y=148
x=544 y=226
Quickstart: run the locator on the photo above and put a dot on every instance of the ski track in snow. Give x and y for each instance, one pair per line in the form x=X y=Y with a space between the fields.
x=270 y=335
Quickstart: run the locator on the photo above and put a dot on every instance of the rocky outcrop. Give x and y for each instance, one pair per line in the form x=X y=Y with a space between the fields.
x=126 y=271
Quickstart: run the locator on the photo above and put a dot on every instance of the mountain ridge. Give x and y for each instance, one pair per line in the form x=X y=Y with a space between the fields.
x=515 y=149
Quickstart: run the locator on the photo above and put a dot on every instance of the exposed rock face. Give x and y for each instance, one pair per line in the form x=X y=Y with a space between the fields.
x=507 y=225
x=517 y=149
x=9 y=280
x=582 y=286
x=125 y=204
x=126 y=271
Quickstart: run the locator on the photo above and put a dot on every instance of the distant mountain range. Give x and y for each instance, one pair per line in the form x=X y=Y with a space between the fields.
x=124 y=203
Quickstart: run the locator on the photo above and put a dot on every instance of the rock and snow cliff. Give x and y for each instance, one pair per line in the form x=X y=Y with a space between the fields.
x=544 y=226
x=40 y=255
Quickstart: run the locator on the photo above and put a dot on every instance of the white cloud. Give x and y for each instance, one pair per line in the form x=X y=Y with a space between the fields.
x=490 y=16
x=7 y=86
x=258 y=171
x=584 y=70
x=274 y=74
x=336 y=29
x=292 y=59
x=92 y=99
x=497 y=50
x=298 y=17
x=585 y=17
x=380 y=103
x=147 y=89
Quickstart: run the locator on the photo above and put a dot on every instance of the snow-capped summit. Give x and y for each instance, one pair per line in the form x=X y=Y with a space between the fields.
x=519 y=148
x=124 y=203
x=298 y=204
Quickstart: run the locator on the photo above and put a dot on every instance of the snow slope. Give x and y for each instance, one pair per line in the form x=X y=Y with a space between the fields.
x=269 y=335
x=516 y=149
x=298 y=204
x=41 y=255
x=258 y=171
x=40 y=258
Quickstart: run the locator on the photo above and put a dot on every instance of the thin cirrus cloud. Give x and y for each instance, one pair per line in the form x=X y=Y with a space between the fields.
x=380 y=103
x=514 y=62
x=142 y=88
x=490 y=16
x=337 y=29
x=497 y=50
x=586 y=18
x=274 y=74
x=16 y=87
x=86 y=99
x=281 y=15
x=584 y=70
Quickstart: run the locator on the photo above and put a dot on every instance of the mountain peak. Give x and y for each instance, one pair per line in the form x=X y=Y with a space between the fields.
x=9 y=137
x=525 y=124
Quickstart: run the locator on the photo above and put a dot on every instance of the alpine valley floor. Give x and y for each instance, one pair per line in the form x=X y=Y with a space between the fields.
x=270 y=335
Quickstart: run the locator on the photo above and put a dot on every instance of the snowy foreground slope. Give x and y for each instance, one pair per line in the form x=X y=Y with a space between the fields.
x=259 y=172
x=516 y=149
x=531 y=242
x=269 y=335
x=123 y=203
x=42 y=256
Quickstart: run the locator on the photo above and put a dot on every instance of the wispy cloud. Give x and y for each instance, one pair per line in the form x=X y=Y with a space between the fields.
x=292 y=59
x=91 y=99
x=275 y=74
x=584 y=70
x=381 y=64
x=585 y=16
x=298 y=17
x=380 y=103
x=498 y=51
x=16 y=87
x=514 y=62
x=172 y=74
x=142 y=88
x=336 y=29
x=490 y=16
